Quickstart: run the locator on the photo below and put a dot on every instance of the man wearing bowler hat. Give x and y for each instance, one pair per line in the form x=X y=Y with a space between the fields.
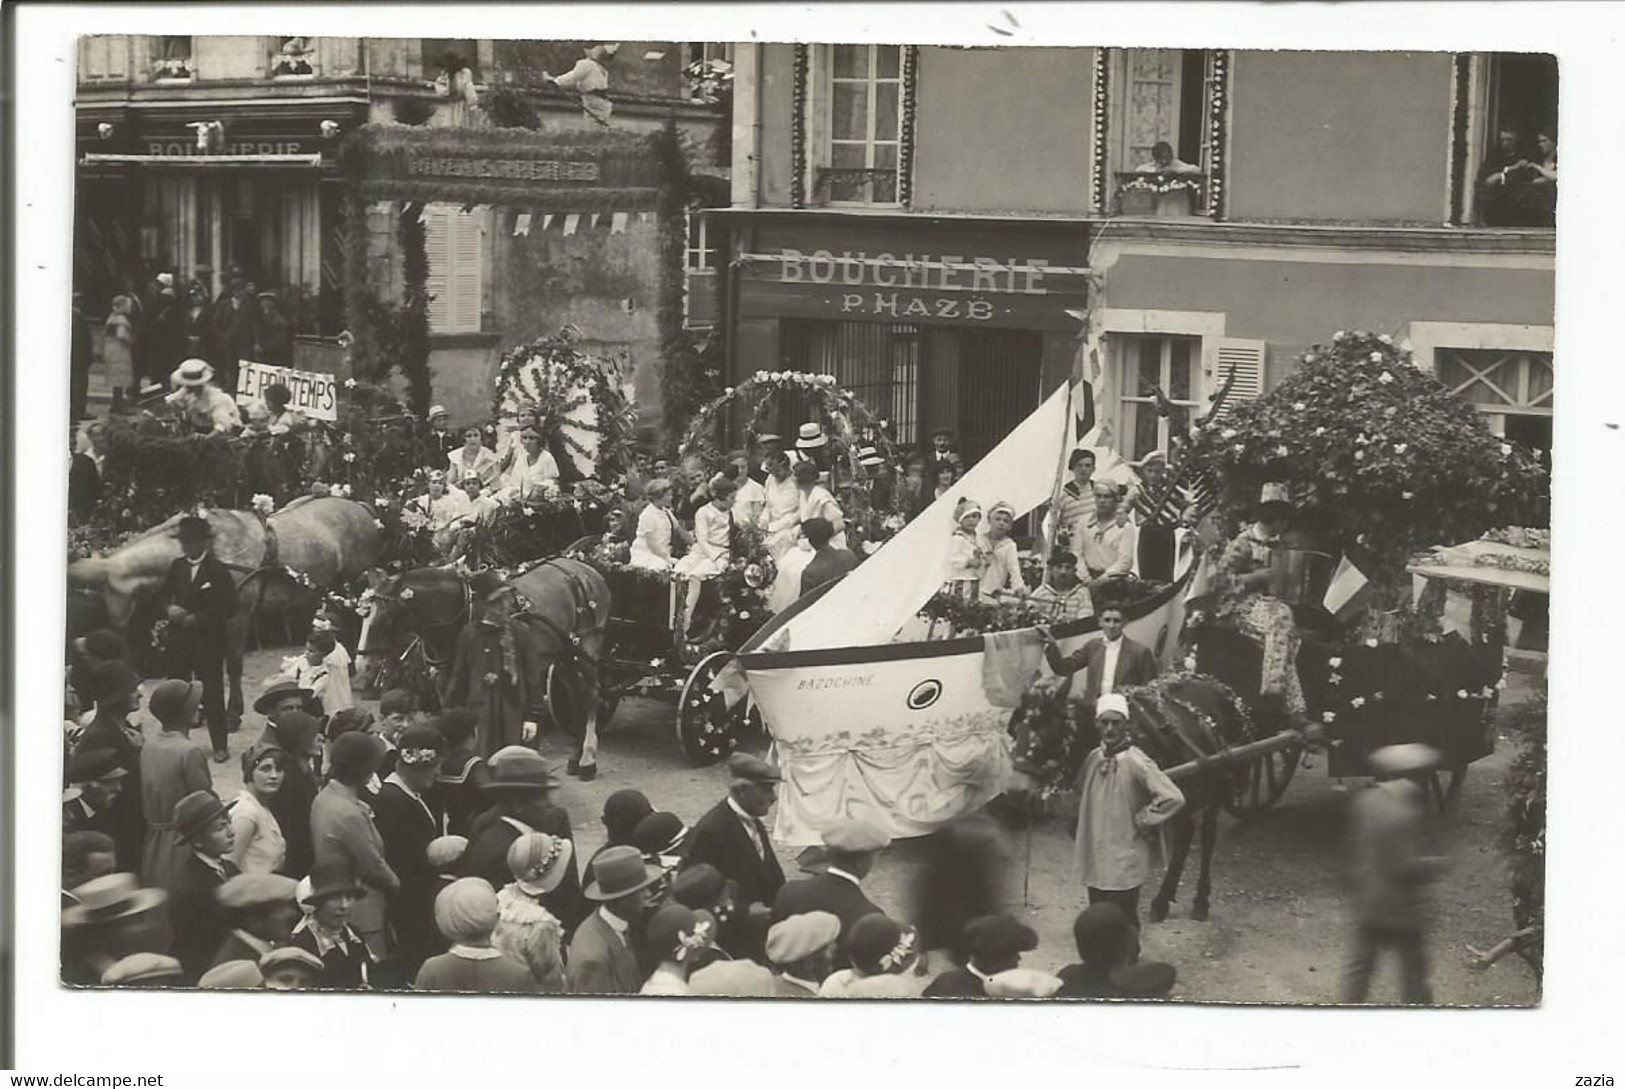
x=97 y=774
x=603 y=955
x=117 y=691
x=201 y=598
x=196 y=918
x=518 y=796
x=733 y=837
x=850 y=850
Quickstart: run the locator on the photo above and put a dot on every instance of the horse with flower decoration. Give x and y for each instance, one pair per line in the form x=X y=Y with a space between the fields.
x=279 y=560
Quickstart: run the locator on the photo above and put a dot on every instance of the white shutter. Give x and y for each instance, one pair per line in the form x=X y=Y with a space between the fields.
x=1246 y=359
x=436 y=220
x=467 y=264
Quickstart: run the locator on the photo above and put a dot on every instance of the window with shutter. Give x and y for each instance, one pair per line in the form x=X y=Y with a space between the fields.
x=456 y=246
x=1246 y=359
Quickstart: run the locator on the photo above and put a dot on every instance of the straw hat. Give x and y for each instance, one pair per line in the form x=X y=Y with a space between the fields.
x=109 y=898
x=192 y=373
x=810 y=437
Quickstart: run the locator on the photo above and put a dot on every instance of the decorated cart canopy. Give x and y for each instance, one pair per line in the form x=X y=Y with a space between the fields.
x=1517 y=559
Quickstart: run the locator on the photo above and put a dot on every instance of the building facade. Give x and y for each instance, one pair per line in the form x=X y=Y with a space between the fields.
x=201 y=156
x=925 y=223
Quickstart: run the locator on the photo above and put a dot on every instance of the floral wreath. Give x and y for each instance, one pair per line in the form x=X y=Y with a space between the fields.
x=553 y=378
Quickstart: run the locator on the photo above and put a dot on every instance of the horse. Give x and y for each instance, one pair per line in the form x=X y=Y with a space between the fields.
x=412 y=621
x=327 y=540
x=1177 y=718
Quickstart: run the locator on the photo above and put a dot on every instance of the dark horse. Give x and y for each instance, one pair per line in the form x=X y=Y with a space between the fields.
x=409 y=636
x=1177 y=718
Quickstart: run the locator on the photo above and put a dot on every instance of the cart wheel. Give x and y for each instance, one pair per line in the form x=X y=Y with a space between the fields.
x=706 y=729
x=1260 y=785
x=566 y=701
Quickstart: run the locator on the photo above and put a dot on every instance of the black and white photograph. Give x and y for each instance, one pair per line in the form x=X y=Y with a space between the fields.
x=997 y=522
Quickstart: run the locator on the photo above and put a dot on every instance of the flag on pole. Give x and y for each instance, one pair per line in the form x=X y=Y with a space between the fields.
x=571 y=222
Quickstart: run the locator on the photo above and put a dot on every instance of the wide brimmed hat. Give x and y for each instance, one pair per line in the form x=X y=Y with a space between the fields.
x=195 y=812
x=252 y=890
x=95 y=766
x=175 y=702
x=109 y=898
x=519 y=771
x=548 y=857
x=810 y=437
x=868 y=455
x=141 y=968
x=192 y=373
x=331 y=876
x=660 y=834
x=113 y=679
x=618 y=872
x=1403 y=759
x=278 y=691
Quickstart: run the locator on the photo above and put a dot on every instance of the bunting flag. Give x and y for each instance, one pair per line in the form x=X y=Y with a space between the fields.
x=597 y=218
x=521 y=225
x=547 y=220
x=571 y=222
x=617 y=223
x=1092 y=379
x=643 y=217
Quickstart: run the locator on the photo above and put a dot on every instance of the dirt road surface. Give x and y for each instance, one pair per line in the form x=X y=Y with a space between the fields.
x=1277 y=932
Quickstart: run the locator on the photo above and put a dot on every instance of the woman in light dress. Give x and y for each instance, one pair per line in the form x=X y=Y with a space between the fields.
x=813 y=500
x=257 y=843
x=657 y=527
x=713 y=541
x=781 y=507
x=535 y=472
x=118 y=343
x=473 y=459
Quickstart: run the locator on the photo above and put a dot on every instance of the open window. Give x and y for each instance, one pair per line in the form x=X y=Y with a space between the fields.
x=1158 y=142
x=1513 y=139
x=438 y=52
x=293 y=57
x=172 y=57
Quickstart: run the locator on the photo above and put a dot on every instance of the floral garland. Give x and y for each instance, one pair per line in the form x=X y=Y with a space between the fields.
x=905 y=150
x=1101 y=122
x=1162 y=184
x=1520 y=537
x=965 y=618
x=1217 y=129
x=355 y=602
x=553 y=378
x=1528 y=565
x=798 y=127
x=1460 y=95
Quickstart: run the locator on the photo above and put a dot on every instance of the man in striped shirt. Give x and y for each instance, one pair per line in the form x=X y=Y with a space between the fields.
x=1063 y=596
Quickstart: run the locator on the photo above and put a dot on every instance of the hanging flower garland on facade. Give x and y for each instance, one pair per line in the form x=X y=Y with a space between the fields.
x=798 y=127
x=905 y=150
x=1097 y=162
x=1218 y=121
x=574 y=397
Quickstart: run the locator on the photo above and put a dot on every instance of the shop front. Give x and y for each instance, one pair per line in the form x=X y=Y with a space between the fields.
x=164 y=190
x=933 y=323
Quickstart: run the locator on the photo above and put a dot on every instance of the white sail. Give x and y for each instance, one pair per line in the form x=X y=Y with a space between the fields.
x=873 y=602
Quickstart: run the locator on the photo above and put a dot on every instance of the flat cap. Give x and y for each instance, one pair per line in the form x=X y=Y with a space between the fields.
x=251 y=890
x=752 y=769
x=444 y=851
x=232 y=975
x=140 y=968
x=289 y=954
x=856 y=837
x=94 y=765
x=732 y=979
x=990 y=937
x=800 y=936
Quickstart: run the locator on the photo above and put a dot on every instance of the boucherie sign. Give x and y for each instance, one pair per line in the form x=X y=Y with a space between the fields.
x=972 y=279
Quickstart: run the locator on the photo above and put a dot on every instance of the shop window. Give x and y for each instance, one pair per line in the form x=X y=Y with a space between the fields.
x=172 y=57
x=1515 y=110
x=437 y=51
x=1512 y=388
x=458 y=251
x=294 y=57
x=860 y=120
x=1160 y=97
x=1168 y=364
x=879 y=363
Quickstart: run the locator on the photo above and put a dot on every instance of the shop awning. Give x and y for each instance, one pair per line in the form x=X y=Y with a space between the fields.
x=191 y=162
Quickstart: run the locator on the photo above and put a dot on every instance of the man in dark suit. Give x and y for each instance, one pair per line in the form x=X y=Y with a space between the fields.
x=603 y=949
x=520 y=787
x=100 y=779
x=827 y=562
x=996 y=943
x=1110 y=664
x=733 y=838
x=196 y=918
x=202 y=598
x=850 y=850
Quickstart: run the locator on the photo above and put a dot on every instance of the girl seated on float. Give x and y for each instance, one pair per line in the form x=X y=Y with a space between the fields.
x=657 y=527
x=713 y=540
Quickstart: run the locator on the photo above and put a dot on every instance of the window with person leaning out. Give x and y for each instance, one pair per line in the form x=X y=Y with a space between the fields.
x=1517 y=183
